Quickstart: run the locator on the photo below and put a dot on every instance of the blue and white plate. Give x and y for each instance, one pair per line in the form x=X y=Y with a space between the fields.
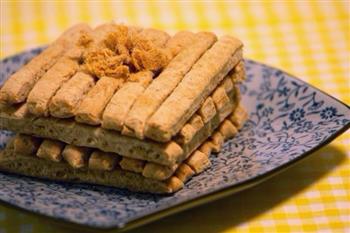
x=288 y=120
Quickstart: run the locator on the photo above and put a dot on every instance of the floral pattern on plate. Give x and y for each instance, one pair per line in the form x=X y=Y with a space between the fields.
x=288 y=119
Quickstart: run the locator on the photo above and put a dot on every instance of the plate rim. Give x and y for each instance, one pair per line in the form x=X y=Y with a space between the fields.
x=188 y=204
x=210 y=196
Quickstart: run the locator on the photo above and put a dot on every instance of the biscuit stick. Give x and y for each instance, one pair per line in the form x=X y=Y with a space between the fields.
x=219 y=102
x=184 y=172
x=165 y=83
x=64 y=104
x=120 y=104
x=222 y=102
x=195 y=87
x=228 y=129
x=66 y=101
x=190 y=129
x=51 y=150
x=108 y=140
x=77 y=157
x=18 y=86
x=206 y=131
x=157 y=171
x=240 y=116
x=134 y=165
x=238 y=73
x=104 y=169
x=198 y=161
x=91 y=108
x=40 y=96
x=25 y=144
x=100 y=160
x=207 y=111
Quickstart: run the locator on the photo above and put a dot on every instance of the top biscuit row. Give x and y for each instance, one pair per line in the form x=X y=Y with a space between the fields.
x=141 y=82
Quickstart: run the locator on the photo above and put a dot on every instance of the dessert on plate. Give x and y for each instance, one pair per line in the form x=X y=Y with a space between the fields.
x=123 y=106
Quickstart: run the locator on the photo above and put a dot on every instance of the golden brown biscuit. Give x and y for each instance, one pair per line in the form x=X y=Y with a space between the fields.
x=67 y=99
x=51 y=150
x=41 y=94
x=92 y=106
x=165 y=83
x=195 y=87
x=76 y=157
x=18 y=86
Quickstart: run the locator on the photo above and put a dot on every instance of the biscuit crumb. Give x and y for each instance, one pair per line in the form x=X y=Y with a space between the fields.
x=120 y=41
x=121 y=53
x=104 y=62
x=147 y=56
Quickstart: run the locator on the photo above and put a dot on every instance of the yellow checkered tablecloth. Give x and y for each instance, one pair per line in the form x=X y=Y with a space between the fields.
x=309 y=39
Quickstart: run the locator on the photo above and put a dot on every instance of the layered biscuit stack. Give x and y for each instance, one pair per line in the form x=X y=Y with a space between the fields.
x=123 y=106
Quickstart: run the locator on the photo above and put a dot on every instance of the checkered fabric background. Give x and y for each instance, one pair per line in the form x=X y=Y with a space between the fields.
x=309 y=39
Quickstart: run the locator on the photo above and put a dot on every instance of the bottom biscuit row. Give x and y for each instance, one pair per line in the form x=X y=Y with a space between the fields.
x=56 y=160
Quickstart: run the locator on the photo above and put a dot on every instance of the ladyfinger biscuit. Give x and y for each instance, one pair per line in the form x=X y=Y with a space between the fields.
x=238 y=73
x=206 y=131
x=184 y=172
x=190 y=129
x=207 y=111
x=51 y=150
x=130 y=164
x=75 y=156
x=239 y=117
x=206 y=148
x=78 y=134
x=227 y=129
x=227 y=84
x=157 y=171
x=100 y=160
x=67 y=99
x=222 y=102
x=165 y=83
x=92 y=106
x=117 y=109
x=223 y=132
x=64 y=104
x=31 y=166
x=174 y=184
x=217 y=141
x=25 y=144
x=120 y=104
x=198 y=161
x=83 y=135
x=161 y=172
x=41 y=94
x=195 y=87
x=18 y=86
